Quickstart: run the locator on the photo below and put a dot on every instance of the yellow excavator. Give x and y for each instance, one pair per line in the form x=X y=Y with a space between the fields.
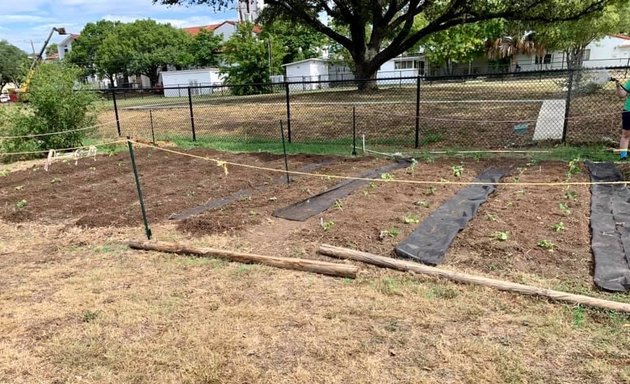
x=23 y=90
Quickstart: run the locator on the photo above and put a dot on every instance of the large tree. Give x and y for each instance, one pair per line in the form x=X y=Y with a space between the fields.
x=379 y=30
x=87 y=51
x=299 y=40
x=205 y=49
x=13 y=64
x=247 y=63
x=143 y=47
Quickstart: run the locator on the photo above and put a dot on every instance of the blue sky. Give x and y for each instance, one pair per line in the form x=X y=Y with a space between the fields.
x=24 y=20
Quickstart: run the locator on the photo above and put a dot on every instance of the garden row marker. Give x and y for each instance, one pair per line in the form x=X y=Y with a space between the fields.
x=284 y=149
x=315 y=266
x=400 y=181
x=147 y=230
x=406 y=266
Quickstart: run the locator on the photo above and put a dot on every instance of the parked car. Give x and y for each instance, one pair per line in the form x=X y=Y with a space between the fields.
x=4 y=98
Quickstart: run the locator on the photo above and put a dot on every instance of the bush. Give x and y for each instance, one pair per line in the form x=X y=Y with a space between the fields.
x=56 y=103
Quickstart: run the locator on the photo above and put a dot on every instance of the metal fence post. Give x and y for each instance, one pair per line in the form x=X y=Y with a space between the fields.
x=567 y=110
x=192 y=115
x=147 y=230
x=286 y=87
x=418 y=111
x=116 y=111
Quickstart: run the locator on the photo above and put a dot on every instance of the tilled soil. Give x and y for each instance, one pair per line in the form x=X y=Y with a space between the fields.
x=506 y=238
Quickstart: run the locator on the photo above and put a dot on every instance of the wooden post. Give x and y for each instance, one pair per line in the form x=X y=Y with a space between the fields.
x=406 y=266
x=324 y=268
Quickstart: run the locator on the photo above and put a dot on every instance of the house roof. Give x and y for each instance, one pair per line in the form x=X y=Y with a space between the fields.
x=194 y=31
x=619 y=36
x=69 y=38
x=304 y=61
x=52 y=57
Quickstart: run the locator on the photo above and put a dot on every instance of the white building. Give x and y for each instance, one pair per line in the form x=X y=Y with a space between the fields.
x=66 y=45
x=224 y=29
x=249 y=10
x=206 y=77
x=611 y=51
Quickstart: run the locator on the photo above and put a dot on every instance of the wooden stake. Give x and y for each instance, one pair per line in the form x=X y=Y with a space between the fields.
x=324 y=268
x=406 y=266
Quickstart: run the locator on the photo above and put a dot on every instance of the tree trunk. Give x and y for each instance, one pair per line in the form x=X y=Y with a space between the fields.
x=366 y=77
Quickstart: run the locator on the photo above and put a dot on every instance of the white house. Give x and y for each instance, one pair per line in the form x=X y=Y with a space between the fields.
x=66 y=45
x=224 y=29
x=307 y=70
x=611 y=51
x=249 y=10
x=190 y=78
x=322 y=70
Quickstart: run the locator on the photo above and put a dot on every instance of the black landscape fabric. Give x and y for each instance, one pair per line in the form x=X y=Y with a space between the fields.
x=610 y=228
x=317 y=204
x=238 y=195
x=430 y=241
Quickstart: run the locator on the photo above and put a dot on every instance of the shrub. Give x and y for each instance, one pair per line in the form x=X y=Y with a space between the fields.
x=56 y=103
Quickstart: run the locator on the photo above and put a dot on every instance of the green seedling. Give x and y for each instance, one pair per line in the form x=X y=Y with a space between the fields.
x=565 y=209
x=422 y=203
x=559 y=227
x=339 y=205
x=574 y=167
x=502 y=236
x=430 y=191
x=55 y=180
x=372 y=185
x=326 y=225
x=570 y=195
x=412 y=168
x=411 y=219
x=458 y=170
x=387 y=176
x=491 y=217
x=546 y=244
x=428 y=158
x=21 y=204
x=4 y=173
x=392 y=232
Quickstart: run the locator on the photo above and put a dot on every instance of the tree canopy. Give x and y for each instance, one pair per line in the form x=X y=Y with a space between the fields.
x=13 y=64
x=247 y=61
x=205 y=48
x=379 y=30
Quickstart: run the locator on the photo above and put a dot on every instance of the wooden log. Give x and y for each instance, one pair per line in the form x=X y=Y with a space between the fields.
x=321 y=267
x=406 y=266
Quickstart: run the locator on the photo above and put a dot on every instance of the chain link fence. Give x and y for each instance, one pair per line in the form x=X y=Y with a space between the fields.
x=491 y=111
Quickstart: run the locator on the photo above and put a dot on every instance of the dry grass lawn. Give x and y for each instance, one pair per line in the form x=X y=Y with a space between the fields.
x=79 y=307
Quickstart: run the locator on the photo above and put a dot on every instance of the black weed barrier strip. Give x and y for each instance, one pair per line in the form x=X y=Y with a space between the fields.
x=610 y=228
x=238 y=195
x=430 y=241
x=317 y=204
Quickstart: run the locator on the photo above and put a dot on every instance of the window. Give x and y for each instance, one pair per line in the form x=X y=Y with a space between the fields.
x=543 y=59
x=407 y=64
x=587 y=55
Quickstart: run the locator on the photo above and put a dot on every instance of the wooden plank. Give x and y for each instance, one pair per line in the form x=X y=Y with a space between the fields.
x=321 y=267
x=406 y=266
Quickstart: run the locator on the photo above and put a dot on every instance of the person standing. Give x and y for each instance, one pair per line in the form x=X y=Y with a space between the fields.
x=622 y=91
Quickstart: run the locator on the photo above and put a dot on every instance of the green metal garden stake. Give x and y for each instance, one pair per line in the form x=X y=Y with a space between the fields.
x=147 y=230
x=284 y=148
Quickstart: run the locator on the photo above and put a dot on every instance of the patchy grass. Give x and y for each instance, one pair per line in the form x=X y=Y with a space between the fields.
x=106 y=314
